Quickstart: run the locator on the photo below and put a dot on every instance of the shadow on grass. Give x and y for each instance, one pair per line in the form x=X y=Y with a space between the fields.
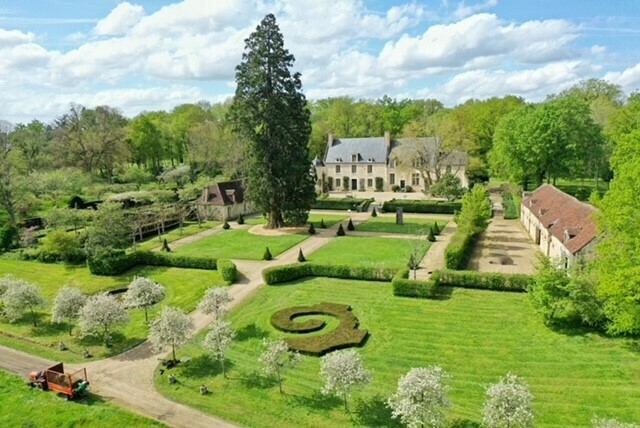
x=256 y=379
x=317 y=401
x=46 y=328
x=250 y=331
x=203 y=366
x=443 y=293
x=463 y=423
x=119 y=343
x=374 y=412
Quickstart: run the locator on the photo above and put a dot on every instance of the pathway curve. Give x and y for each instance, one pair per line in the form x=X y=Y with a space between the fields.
x=128 y=379
x=504 y=247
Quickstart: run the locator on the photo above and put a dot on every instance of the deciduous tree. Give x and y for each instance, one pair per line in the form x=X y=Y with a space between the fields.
x=143 y=292
x=276 y=358
x=214 y=301
x=218 y=340
x=100 y=314
x=172 y=328
x=20 y=296
x=270 y=111
x=508 y=404
x=341 y=371
x=420 y=398
x=66 y=308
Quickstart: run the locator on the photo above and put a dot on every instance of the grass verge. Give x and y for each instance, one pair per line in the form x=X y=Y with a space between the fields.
x=388 y=225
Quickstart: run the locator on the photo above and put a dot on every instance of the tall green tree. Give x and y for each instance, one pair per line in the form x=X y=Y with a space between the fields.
x=270 y=111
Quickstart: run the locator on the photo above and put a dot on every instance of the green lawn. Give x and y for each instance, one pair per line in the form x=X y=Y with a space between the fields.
x=239 y=244
x=31 y=407
x=475 y=335
x=410 y=226
x=188 y=230
x=329 y=220
x=183 y=288
x=368 y=251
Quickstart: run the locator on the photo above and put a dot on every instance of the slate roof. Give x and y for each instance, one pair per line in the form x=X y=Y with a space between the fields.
x=454 y=158
x=565 y=217
x=224 y=193
x=341 y=149
x=316 y=162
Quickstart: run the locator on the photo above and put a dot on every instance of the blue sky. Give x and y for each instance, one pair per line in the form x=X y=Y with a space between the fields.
x=155 y=54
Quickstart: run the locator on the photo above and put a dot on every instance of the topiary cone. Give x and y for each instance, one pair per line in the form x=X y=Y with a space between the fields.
x=240 y=219
x=350 y=226
x=226 y=226
x=301 y=256
x=431 y=237
x=267 y=255
x=312 y=230
x=374 y=213
x=322 y=225
x=436 y=229
x=340 y=231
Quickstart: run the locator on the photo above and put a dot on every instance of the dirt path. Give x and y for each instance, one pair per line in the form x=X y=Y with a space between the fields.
x=504 y=247
x=128 y=379
x=434 y=259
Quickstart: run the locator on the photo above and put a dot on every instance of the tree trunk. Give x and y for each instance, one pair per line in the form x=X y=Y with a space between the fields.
x=70 y=328
x=173 y=350
x=146 y=315
x=279 y=381
x=33 y=316
x=224 y=372
x=346 y=406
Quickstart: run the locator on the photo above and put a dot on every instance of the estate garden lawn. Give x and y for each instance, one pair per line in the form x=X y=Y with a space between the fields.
x=329 y=220
x=183 y=288
x=369 y=251
x=240 y=244
x=411 y=225
x=475 y=335
x=190 y=228
x=31 y=407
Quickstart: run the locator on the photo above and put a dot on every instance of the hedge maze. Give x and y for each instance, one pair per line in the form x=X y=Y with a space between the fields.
x=346 y=335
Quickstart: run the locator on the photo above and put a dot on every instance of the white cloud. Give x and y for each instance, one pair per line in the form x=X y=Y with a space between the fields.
x=10 y=38
x=462 y=11
x=629 y=78
x=121 y=19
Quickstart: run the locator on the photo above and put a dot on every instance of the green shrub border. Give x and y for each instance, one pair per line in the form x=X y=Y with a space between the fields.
x=228 y=270
x=483 y=280
x=403 y=286
x=117 y=262
x=285 y=273
x=356 y=204
x=346 y=335
x=420 y=206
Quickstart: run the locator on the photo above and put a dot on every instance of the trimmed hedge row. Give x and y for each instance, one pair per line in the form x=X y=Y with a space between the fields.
x=228 y=270
x=286 y=273
x=482 y=280
x=420 y=206
x=118 y=262
x=345 y=335
x=341 y=204
x=459 y=249
x=402 y=286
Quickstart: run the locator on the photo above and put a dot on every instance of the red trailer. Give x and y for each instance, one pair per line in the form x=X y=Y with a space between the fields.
x=54 y=378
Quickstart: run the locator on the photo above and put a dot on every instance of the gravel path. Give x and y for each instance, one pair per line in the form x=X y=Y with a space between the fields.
x=127 y=379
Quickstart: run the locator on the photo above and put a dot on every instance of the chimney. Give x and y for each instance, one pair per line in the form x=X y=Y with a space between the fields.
x=387 y=140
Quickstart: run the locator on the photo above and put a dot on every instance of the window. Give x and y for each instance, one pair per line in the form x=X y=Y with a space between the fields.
x=392 y=179
x=369 y=182
x=369 y=169
x=392 y=163
x=417 y=163
x=337 y=169
x=415 y=179
x=338 y=183
x=354 y=158
x=354 y=169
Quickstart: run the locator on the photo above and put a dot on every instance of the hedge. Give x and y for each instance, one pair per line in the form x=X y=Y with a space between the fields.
x=117 y=262
x=421 y=206
x=459 y=249
x=228 y=270
x=286 y=273
x=346 y=335
x=483 y=280
x=403 y=286
x=341 y=204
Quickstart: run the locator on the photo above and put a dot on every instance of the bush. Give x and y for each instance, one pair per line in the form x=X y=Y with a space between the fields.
x=395 y=188
x=340 y=231
x=509 y=206
x=345 y=183
x=402 y=286
x=408 y=188
x=379 y=184
x=59 y=245
x=448 y=186
x=9 y=236
x=267 y=254
x=374 y=213
x=350 y=226
x=226 y=226
x=322 y=225
x=341 y=204
x=241 y=219
x=484 y=280
x=436 y=228
x=228 y=271
x=458 y=251
x=419 y=206
x=286 y=273
x=301 y=258
x=115 y=262
x=312 y=230
x=345 y=335
x=431 y=237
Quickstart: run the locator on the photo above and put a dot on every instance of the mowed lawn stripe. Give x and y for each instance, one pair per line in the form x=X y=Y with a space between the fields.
x=475 y=335
x=415 y=226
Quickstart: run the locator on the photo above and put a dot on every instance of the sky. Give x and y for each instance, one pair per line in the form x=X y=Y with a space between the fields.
x=151 y=55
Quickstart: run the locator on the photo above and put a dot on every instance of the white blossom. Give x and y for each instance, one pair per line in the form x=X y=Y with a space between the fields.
x=420 y=398
x=171 y=328
x=508 y=404
x=277 y=357
x=341 y=371
x=143 y=292
x=67 y=306
x=18 y=296
x=612 y=423
x=218 y=340
x=214 y=301
x=99 y=314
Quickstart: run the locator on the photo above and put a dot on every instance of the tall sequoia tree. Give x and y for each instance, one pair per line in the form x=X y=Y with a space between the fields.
x=270 y=112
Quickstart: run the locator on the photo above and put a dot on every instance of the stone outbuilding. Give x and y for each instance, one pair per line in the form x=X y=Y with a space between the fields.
x=224 y=201
x=561 y=225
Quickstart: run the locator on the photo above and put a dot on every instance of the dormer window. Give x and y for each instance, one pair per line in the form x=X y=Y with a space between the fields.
x=370 y=159
x=338 y=159
x=354 y=158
